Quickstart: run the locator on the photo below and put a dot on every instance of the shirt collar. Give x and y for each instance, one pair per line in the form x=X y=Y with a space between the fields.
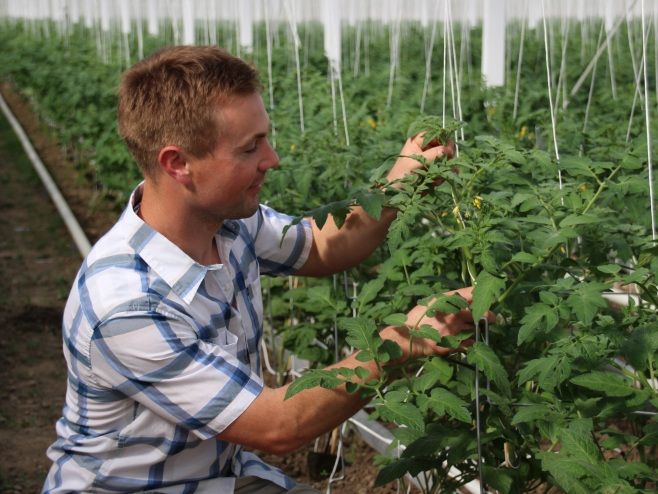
x=178 y=270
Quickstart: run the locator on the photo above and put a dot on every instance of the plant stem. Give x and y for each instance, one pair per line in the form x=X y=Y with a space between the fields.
x=602 y=186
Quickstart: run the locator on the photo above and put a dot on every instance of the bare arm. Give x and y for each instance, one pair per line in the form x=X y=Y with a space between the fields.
x=335 y=249
x=279 y=426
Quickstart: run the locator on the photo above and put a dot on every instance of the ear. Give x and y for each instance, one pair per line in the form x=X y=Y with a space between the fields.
x=173 y=162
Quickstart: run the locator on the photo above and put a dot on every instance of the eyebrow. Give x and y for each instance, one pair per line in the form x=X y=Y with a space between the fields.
x=248 y=141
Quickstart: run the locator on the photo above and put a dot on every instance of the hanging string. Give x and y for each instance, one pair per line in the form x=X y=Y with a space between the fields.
x=583 y=77
x=550 y=97
x=637 y=94
x=428 y=64
x=445 y=48
x=519 y=64
x=270 y=83
x=591 y=87
x=295 y=37
x=648 y=126
x=478 y=421
x=458 y=114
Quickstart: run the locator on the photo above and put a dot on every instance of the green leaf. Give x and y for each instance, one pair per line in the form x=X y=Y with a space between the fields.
x=487 y=290
x=397 y=319
x=424 y=446
x=533 y=413
x=402 y=414
x=641 y=346
x=425 y=331
x=361 y=333
x=550 y=371
x=514 y=156
x=577 y=166
x=499 y=478
x=361 y=372
x=443 y=402
x=488 y=362
x=389 y=350
x=524 y=258
x=565 y=471
x=579 y=219
x=312 y=378
x=609 y=268
x=372 y=202
x=436 y=370
x=577 y=441
x=586 y=301
x=393 y=471
x=606 y=382
x=539 y=319
x=449 y=304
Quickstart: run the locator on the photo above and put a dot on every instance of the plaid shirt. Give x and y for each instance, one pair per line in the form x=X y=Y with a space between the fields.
x=163 y=354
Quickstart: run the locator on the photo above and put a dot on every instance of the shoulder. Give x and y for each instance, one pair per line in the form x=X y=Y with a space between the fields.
x=113 y=277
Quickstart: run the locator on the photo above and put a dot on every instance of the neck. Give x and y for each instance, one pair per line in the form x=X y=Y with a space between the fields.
x=168 y=213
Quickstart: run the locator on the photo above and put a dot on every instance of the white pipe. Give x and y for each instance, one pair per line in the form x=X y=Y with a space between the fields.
x=67 y=215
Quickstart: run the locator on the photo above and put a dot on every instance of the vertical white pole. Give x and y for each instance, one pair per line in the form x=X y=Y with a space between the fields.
x=152 y=24
x=246 y=25
x=124 y=13
x=332 y=35
x=493 y=43
x=88 y=13
x=189 y=35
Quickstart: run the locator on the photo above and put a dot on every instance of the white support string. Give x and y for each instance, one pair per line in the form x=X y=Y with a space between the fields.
x=591 y=86
x=445 y=53
x=648 y=125
x=292 y=22
x=428 y=62
x=458 y=114
x=519 y=64
x=637 y=94
x=550 y=98
x=270 y=82
x=599 y=52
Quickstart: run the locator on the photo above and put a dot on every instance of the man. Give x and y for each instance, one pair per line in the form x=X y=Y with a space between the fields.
x=162 y=326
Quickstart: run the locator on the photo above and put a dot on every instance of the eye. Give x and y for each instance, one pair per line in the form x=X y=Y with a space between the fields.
x=252 y=147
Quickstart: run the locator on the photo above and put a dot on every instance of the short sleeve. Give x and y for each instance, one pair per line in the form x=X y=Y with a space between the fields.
x=160 y=362
x=281 y=246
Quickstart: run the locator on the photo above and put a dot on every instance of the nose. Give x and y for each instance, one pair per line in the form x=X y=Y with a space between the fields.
x=271 y=160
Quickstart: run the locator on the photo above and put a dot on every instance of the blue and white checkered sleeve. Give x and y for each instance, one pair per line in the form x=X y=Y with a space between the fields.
x=279 y=254
x=159 y=361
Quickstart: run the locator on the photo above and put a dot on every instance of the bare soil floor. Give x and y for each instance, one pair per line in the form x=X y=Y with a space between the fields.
x=38 y=262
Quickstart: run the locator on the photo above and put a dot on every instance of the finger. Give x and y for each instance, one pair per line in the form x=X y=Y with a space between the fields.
x=437 y=152
x=464 y=345
x=418 y=139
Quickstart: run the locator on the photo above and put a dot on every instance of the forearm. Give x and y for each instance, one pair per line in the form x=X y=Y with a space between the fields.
x=279 y=426
x=336 y=249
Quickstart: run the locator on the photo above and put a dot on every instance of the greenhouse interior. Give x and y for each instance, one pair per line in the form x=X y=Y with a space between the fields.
x=542 y=199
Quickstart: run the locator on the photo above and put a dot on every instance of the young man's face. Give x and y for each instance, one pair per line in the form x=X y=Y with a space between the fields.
x=226 y=184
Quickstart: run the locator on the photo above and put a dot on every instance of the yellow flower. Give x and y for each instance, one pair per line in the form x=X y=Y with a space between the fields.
x=477 y=202
x=293 y=147
x=371 y=121
x=583 y=187
x=523 y=132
